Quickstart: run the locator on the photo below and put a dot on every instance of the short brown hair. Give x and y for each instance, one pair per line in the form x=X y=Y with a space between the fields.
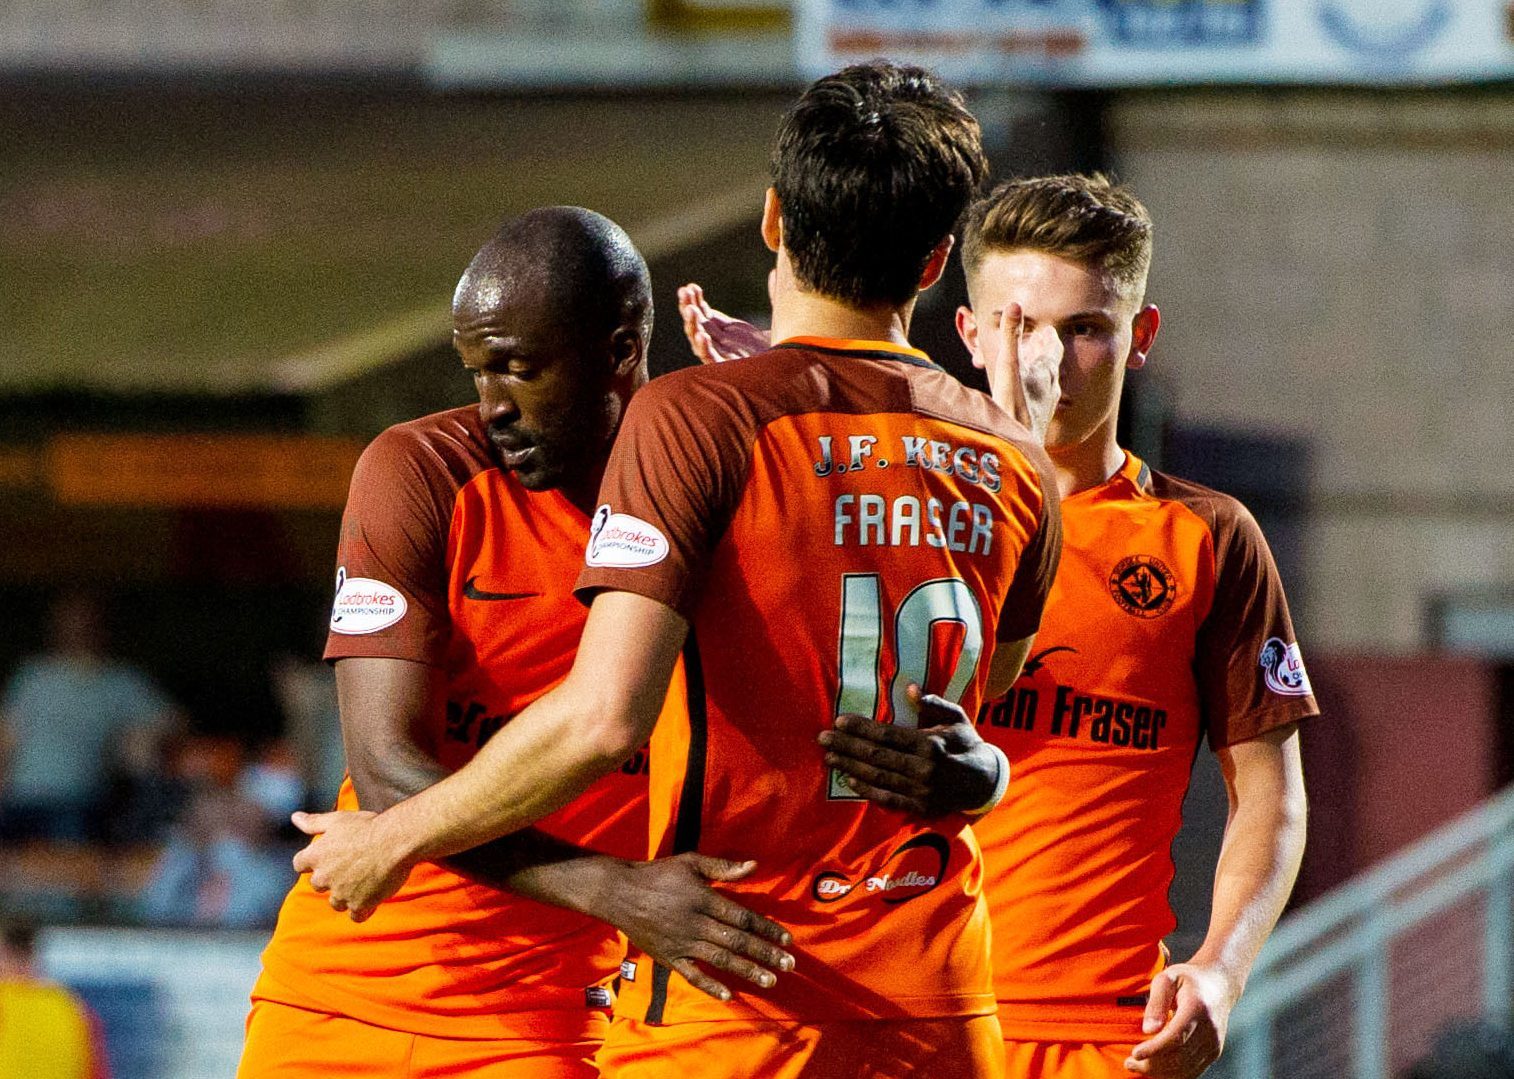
x=873 y=167
x=1083 y=218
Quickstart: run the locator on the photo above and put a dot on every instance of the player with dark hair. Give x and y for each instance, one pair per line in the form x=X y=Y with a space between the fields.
x=829 y=527
x=1166 y=625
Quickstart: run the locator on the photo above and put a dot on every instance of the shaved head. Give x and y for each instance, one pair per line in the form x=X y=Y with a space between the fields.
x=579 y=267
x=552 y=319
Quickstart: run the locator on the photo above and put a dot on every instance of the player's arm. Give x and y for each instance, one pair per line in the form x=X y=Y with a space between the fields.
x=1190 y=1003
x=1008 y=662
x=665 y=907
x=939 y=767
x=537 y=763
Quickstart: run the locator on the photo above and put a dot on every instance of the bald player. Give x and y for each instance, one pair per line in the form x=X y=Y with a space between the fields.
x=461 y=541
x=827 y=527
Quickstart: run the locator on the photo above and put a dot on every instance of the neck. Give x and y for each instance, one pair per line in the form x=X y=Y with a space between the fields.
x=798 y=312
x=584 y=492
x=1080 y=466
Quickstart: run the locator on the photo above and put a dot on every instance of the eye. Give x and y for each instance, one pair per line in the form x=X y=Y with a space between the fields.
x=1083 y=329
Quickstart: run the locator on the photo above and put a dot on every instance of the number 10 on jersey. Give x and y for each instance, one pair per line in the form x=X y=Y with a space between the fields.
x=860 y=650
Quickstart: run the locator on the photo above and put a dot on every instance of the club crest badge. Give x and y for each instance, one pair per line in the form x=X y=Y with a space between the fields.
x=1143 y=586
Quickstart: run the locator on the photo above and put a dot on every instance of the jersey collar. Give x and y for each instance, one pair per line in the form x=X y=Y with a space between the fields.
x=1135 y=472
x=1133 y=476
x=876 y=350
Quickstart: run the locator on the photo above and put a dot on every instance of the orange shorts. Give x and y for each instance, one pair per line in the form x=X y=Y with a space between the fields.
x=1065 y=1060
x=285 y=1042
x=963 y=1048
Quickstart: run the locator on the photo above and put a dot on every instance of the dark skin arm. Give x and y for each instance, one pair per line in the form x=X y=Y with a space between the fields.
x=936 y=769
x=939 y=767
x=665 y=907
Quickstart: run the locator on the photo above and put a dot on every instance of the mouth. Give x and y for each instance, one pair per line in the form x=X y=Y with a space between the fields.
x=514 y=459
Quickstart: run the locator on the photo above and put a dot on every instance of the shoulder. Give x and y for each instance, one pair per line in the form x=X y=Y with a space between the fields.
x=790 y=380
x=444 y=449
x=1223 y=515
x=1240 y=551
x=767 y=384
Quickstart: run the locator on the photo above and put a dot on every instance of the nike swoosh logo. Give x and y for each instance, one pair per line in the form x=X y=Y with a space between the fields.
x=472 y=591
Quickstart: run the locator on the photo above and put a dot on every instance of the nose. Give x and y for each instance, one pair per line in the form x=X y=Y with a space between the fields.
x=495 y=403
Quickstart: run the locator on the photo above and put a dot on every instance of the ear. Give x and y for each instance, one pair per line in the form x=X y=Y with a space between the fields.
x=936 y=266
x=967 y=329
x=1143 y=334
x=627 y=351
x=772 y=220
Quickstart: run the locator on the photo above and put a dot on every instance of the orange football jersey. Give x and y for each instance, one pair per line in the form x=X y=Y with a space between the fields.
x=1166 y=624
x=447 y=560
x=835 y=520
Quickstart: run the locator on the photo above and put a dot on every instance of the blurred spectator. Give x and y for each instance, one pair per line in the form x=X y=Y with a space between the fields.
x=71 y=719
x=223 y=864
x=306 y=692
x=45 y=1031
x=1474 y=1049
x=275 y=785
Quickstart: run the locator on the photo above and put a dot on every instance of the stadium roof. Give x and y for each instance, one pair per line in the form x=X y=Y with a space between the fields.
x=249 y=239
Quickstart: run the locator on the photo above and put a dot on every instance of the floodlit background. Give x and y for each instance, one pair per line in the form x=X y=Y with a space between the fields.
x=228 y=236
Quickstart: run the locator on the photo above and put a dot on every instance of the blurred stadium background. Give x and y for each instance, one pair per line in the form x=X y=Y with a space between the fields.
x=228 y=236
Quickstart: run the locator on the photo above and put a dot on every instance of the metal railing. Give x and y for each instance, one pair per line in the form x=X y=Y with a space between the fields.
x=1356 y=984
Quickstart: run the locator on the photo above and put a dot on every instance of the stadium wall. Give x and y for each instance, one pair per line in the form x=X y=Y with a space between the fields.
x=1333 y=267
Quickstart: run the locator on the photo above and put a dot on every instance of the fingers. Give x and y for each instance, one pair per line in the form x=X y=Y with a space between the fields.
x=872 y=776
x=700 y=980
x=743 y=946
x=721 y=958
x=889 y=799
x=1159 y=1001
x=304 y=862
x=694 y=313
x=733 y=914
x=939 y=712
x=912 y=762
x=721 y=868
x=868 y=731
x=1004 y=382
x=1176 y=1032
x=313 y=823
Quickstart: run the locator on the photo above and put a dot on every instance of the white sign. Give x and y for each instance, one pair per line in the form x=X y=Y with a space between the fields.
x=364 y=605
x=624 y=541
x=1165 y=42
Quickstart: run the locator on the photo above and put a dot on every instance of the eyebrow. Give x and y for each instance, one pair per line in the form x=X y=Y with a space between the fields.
x=1093 y=313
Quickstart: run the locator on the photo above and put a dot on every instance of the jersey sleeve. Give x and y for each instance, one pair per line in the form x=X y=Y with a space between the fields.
x=1031 y=584
x=391 y=597
x=672 y=482
x=1250 y=673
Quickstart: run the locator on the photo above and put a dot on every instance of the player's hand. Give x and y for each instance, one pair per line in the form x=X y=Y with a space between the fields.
x=1187 y=1014
x=1024 y=370
x=349 y=859
x=668 y=910
x=940 y=767
x=714 y=336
